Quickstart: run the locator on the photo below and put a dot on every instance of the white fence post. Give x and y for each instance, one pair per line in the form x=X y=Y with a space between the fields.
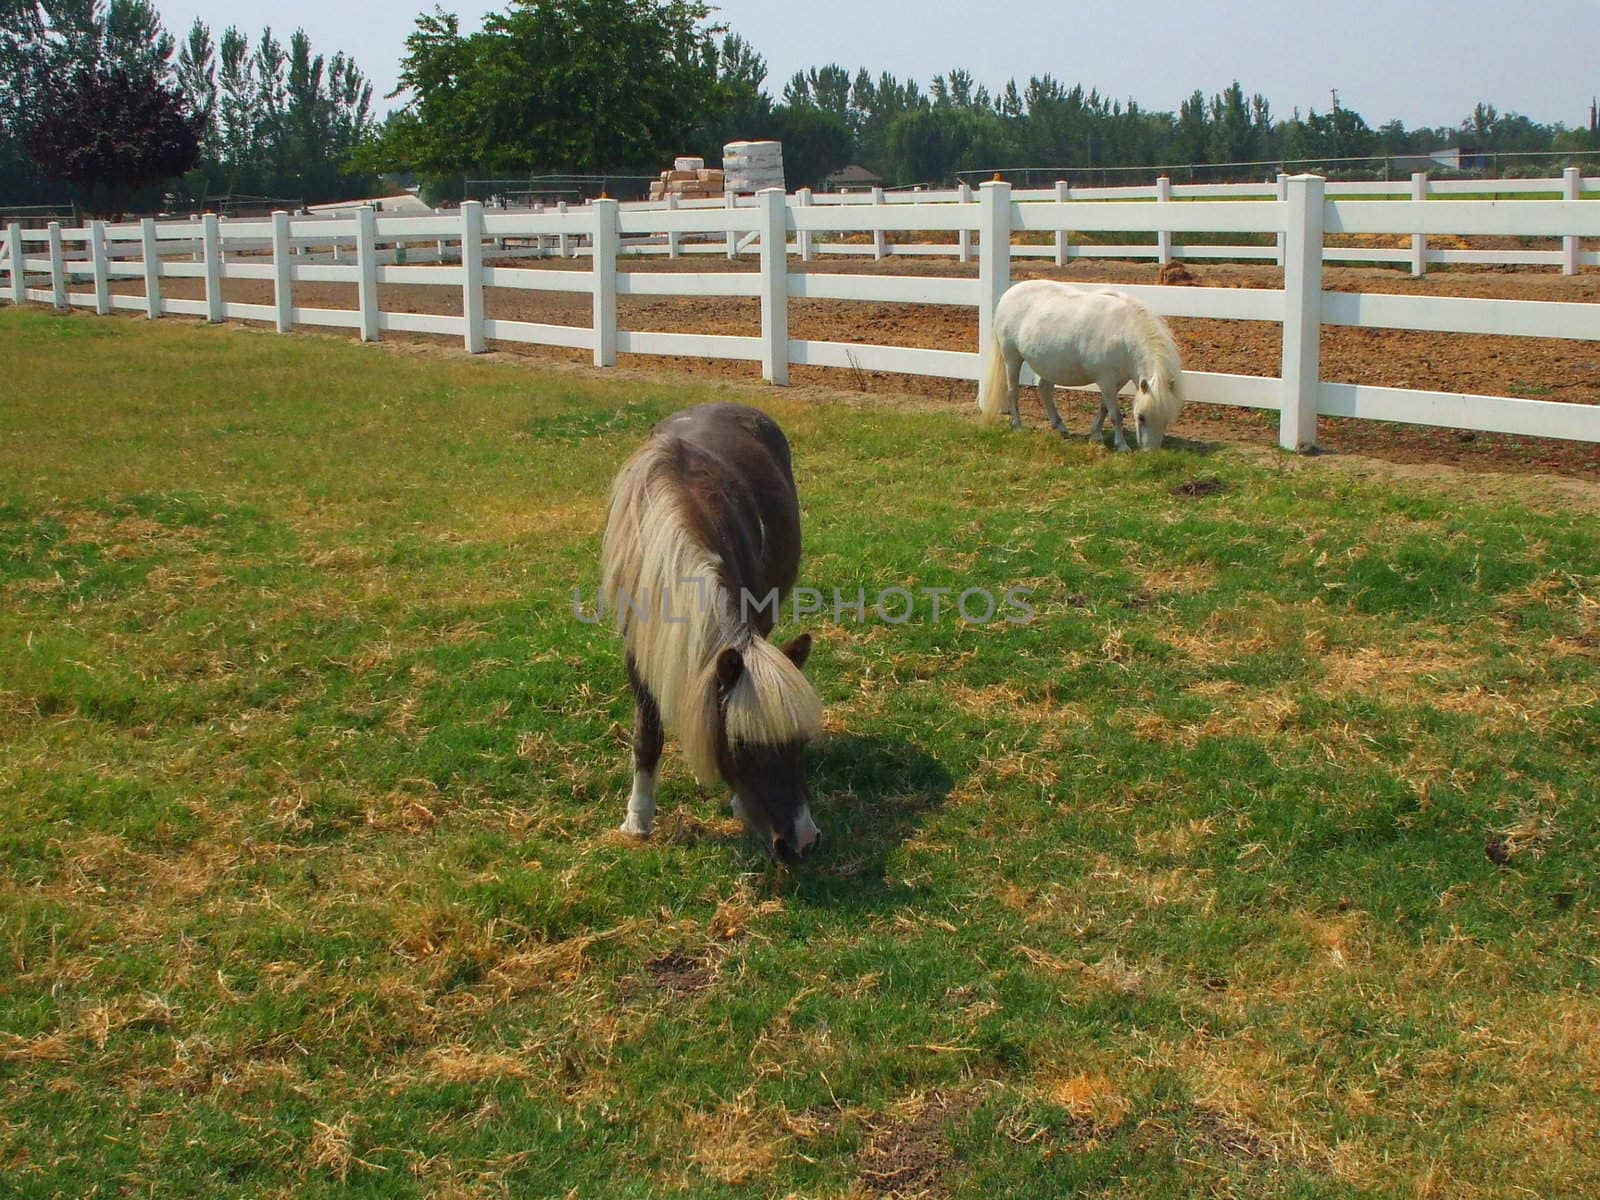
x=774 y=208
x=199 y=253
x=97 y=258
x=994 y=257
x=19 y=274
x=150 y=252
x=58 y=267
x=1419 y=241
x=807 y=239
x=564 y=241
x=1302 y=315
x=367 y=270
x=1063 y=194
x=211 y=247
x=1283 y=198
x=283 y=272
x=1571 y=247
x=964 y=235
x=1164 y=237
x=606 y=238
x=674 y=238
x=732 y=201
x=880 y=239
x=472 y=273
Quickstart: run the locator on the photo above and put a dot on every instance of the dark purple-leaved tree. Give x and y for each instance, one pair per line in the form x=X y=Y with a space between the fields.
x=113 y=132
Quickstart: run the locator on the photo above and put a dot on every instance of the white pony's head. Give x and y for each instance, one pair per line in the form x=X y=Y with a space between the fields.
x=1159 y=396
x=1156 y=405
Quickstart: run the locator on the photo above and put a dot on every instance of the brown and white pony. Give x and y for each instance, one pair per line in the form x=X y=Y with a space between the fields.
x=702 y=542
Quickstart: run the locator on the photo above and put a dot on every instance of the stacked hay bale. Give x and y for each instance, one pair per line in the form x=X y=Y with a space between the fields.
x=752 y=166
x=689 y=179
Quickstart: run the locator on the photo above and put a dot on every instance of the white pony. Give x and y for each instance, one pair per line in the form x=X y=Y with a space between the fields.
x=1072 y=336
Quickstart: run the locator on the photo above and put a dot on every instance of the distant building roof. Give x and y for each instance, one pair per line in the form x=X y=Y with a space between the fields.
x=404 y=203
x=855 y=173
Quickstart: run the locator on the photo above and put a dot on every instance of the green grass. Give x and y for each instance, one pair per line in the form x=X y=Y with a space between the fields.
x=1262 y=863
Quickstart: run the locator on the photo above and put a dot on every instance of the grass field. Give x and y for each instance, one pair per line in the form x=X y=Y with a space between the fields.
x=1263 y=863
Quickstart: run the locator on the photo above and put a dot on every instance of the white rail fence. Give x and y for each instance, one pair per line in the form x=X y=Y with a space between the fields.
x=282 y=251
x=1418 y=255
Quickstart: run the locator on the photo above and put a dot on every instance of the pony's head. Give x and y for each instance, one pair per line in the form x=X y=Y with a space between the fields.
x=756 y=713
x=1156 y=405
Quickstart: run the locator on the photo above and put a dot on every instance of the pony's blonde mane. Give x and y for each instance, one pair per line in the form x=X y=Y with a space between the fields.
x=651 y=551
x=1161 y=364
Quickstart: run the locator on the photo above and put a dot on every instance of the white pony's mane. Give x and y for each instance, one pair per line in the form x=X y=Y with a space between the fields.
x=651 y=551
x=1160 y=364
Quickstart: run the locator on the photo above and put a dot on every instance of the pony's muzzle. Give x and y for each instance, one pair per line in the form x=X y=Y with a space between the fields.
x=807 y=837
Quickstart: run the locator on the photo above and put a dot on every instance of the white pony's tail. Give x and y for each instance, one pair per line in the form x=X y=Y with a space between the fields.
x=995 y=384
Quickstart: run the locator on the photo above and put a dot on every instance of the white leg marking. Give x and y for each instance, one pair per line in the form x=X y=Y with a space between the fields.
x=641 y=805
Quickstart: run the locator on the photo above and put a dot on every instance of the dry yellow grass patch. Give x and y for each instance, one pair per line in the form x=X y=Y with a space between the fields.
x=1001 y=701
x=1174 y=841
x=1261 y=715
x=1188 y=580
x=732 y=1144
x=1092 y=1100
x=1343 y=942
x=331 y=1148
x=462 y=1064
x=1374 y=669
x=1245 y=1091
x=736 y=916
x=540 y=522
x=401 y=813
x=1218 y=641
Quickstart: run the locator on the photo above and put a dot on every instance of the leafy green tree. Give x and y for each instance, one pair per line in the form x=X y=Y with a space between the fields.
x=1191 y=141
x=1232 y=136
x=585 y=85
x=815 y=143
x=930 y=145
x=112 y=131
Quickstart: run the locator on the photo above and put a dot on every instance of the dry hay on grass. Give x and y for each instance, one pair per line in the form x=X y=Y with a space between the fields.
x=463 y=1064
x=734 y=1143
x=1092 y=1100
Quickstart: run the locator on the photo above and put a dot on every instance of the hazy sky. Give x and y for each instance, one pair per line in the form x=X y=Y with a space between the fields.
x=1426 y=63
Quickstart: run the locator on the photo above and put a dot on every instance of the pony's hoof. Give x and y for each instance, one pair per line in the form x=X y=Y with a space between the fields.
x=1124 y=449
x=635 y=828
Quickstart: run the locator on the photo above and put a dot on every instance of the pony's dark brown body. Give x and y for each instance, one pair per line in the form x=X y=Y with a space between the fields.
x=733 y=463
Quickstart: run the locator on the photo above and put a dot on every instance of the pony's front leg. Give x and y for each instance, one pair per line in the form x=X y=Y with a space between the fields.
x=1047 y=397
x=647 y=739
x=1096 y=431
x=1109 y=395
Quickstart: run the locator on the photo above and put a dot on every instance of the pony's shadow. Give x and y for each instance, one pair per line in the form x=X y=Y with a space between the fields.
x=869 y=795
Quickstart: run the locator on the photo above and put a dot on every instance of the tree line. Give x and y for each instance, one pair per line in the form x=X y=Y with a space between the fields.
x=106 y=109
x=618 y=86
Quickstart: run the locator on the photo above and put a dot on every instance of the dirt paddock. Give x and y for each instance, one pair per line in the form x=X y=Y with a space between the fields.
x=1535 y=368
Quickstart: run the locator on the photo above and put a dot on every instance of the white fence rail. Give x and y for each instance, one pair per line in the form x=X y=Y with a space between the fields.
x=42 y=266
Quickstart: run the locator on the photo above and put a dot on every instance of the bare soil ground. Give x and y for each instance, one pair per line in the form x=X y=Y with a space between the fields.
x=1539 y=368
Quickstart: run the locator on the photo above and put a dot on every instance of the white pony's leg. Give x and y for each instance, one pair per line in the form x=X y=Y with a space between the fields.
x=1109 y=392
x=1014 y=388
x=1096 y=430
x=1047 y=397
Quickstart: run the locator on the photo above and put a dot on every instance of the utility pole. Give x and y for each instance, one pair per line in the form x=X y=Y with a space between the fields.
x=1335 y=92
